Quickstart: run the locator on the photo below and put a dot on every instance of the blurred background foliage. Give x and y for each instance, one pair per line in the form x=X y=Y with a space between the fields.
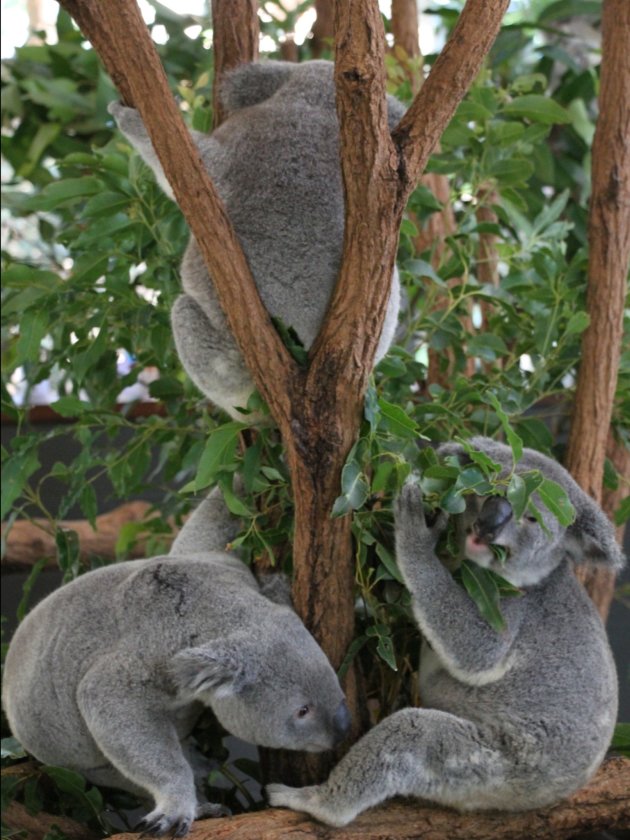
x=488 y=343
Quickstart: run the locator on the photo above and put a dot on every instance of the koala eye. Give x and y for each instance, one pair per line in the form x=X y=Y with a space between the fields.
x=303 y=711
x=530 y=518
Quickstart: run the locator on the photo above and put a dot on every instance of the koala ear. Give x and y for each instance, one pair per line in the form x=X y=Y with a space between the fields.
x=249 y=84
x=215 y=667
x=591 y=538
x=276 y=586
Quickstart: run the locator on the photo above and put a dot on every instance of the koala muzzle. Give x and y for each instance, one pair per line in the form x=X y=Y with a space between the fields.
x=495 y=514
x=341 y=722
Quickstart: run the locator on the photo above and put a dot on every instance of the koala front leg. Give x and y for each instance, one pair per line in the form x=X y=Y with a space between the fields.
x=210 y=357
x=465 y=643
x=128 y=719
x=415 y=752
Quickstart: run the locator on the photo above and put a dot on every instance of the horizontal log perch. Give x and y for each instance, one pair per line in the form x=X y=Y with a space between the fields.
x=29 y=540
x=604 y=804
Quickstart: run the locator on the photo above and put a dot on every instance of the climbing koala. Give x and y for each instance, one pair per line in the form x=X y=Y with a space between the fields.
x=514 y=720
x=275 y=164
x=108 y=675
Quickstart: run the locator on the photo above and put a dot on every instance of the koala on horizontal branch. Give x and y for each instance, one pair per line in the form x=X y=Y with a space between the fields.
x=108 y=674
x=517 y=719
x=275 y=164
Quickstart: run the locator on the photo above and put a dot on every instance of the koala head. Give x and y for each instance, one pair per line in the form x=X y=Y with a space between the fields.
x=527 y=552
x=275 y=688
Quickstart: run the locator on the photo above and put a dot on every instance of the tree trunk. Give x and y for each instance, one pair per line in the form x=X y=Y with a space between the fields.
x=609 y=255
x=235 y=34
x=317 y=409
x=604 y=804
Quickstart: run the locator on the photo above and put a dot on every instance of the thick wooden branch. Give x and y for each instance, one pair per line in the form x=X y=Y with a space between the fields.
x=609 y=257
x=452 y=74
x=120 y=36
x=235 y=33
x=378 y=175
x=604 y=804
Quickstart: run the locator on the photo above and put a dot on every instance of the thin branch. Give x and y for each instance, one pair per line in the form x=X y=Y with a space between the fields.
x=235 y=34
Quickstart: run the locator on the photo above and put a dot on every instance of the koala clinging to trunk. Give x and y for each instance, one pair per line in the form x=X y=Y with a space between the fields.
x=275 y=164
x=516 y=719
x=108 y=675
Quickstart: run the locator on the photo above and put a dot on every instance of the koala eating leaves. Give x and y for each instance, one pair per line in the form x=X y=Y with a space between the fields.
x=275 y=164
x=108 y=675
x=514 y=720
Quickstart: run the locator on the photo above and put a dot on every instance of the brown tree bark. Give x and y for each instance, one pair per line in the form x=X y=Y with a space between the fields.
x=36 y=826
x=609 y=257
x=317 y=409
x=604 y=804
x=324 y=27
x=405 y=26
x=235 y=34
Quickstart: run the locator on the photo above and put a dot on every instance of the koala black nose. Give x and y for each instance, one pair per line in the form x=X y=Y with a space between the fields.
x=495 y=513
x=341 y=722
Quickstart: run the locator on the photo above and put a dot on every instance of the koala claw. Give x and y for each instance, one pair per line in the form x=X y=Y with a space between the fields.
x=157 y=824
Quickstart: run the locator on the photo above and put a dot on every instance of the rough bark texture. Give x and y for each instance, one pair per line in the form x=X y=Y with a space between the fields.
x=600 y=583
x=604 y=804
x=317 y=409
x=609 y=256
x=235 y=33
x=36 y=826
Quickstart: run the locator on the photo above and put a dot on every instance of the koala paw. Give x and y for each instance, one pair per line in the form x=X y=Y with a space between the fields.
x=408 y=505
x=127 y=119
x=410 y=518
x=310 y=801
x=158 y=824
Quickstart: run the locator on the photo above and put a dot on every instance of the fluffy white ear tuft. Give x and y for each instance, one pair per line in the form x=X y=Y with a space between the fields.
x=213 y=667
x=591 y=538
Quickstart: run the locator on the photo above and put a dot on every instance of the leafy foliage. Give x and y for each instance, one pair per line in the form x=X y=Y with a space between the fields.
x=488 y=344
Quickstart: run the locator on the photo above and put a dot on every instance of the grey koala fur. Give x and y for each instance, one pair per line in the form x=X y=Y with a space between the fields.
x=275 y=164
x=517 y=719
x=108 y=675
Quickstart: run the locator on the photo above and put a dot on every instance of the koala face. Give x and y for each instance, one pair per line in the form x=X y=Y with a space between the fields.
x=280 y=693
x=526 y=553
x=531 y=551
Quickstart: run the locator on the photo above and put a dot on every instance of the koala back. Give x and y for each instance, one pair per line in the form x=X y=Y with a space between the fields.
x=191 y=628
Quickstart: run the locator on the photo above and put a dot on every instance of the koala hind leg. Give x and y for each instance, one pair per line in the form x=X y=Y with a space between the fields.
x=415 y=752
x=210 y=357
x=136 y=735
